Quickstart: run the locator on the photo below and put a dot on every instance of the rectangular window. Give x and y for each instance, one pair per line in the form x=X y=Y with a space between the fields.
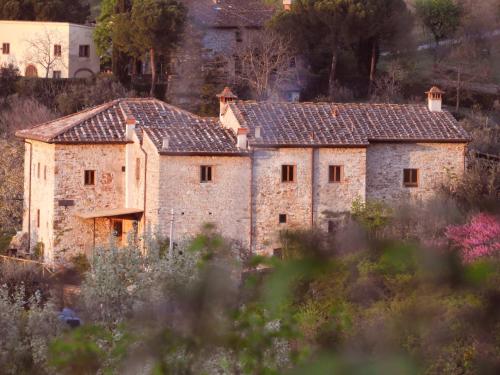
x=89 y=178
x=84 y=51
x=332 y=226
x=56 y=74
x=57 y=50
x=335 y=173
x=38 y=171
x=6 y=48
x=117 y=226
x=282 y=219
x=410 y=177
x=45 y=172
x=206 y=173
x=278 y=253
x=287 y=173
x=38 y=218
x=137 y=169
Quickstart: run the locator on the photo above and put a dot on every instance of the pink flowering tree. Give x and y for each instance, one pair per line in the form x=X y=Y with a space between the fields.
x=477 y=239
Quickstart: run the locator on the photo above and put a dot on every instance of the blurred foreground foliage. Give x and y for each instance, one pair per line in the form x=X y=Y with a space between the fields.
x=392 y=305
x=402 y=300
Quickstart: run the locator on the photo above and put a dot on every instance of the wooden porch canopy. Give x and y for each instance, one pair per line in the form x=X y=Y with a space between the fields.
x=120 y=213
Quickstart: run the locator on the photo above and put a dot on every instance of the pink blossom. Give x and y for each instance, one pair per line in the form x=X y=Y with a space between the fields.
x=477 y=239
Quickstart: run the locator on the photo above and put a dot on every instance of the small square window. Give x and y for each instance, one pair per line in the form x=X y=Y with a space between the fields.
x=332 y=226
x=57 y=50
x=206 y=173
x=6 y=48
x=335 y=173
x=278 y=253
x=237 y=35
x=89 y=178
x=56 y=74
x=287 y=173
x=282 y=219
x=84 y=51
x=410 y=177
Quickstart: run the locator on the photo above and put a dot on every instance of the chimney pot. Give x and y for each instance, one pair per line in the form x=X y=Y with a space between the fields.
x=130 y=127
x=165 y=143
x=258 y=132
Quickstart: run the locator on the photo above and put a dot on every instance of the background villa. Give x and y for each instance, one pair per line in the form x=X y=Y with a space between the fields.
x=49 y=49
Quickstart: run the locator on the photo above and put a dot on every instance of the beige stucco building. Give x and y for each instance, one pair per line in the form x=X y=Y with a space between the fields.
x=258 y=168
x=49 y=49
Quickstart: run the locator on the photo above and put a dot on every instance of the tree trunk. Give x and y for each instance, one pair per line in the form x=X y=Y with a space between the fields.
x=373 y=66
x=333 y=68
x=459 y=83
x=153 y=72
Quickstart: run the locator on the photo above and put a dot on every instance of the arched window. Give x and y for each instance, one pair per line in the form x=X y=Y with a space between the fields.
x=31 y=71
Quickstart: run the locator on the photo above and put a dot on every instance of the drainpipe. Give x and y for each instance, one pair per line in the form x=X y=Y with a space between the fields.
x=145 y=180
x=29 y=196
x=251 y=200
x=313 y=157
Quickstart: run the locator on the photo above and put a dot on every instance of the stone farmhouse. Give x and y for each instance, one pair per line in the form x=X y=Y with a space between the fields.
x=260 y=167
x=49 y=49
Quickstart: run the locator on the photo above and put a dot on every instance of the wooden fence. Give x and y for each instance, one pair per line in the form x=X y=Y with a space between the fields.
x=45 y=269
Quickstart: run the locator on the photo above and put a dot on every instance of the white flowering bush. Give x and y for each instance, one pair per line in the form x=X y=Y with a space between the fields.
x=122 y=281
x=27 y=326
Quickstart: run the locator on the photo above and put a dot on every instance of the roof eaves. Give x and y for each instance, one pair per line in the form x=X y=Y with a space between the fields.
x=309 y=145
x=203 y=153
x=419 y=140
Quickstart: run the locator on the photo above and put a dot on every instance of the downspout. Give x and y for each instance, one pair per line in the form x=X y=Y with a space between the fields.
x=251 y=200
x=313 y=157
x=145 y=181
x=29 y=196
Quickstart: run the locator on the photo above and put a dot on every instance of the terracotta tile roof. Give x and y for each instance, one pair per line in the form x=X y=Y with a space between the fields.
x=345 y=124
x=76 y=127
x=286 y=124
x=230 y=13
x=185 y=132
x=107 y=124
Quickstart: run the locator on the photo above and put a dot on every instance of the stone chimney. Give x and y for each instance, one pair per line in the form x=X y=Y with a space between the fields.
x=130 y=129
x=242 y=142
x=225 y=97
x=435 y=99
x=287 y=5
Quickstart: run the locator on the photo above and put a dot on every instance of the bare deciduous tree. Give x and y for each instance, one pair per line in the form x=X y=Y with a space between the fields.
x=387 y=87
x=265 y=64
x=463 y=70
x=47 y=50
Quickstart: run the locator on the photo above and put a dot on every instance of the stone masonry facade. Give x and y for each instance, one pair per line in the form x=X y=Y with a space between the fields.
x=118 y=171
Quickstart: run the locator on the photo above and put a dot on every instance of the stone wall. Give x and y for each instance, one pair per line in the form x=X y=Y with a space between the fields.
x=386 y=161
x=311 y=198
x=333 y=198
x=42 y=193
x=224 y=202
x=71 y=233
